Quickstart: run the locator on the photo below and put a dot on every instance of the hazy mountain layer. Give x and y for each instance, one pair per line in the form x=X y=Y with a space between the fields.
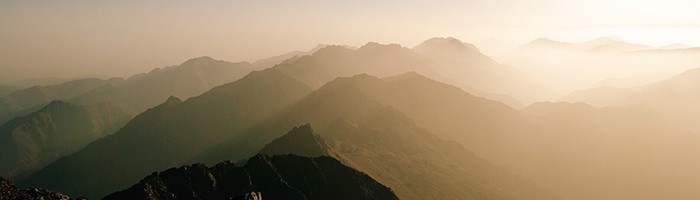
x=191 y=78
x=468 y=68
x=7 y=89
x=31 y=142
x=195 y=125
x=573 y=66
x=171 y=134
x=271 y=177
x=382 y=142
x=31 y=99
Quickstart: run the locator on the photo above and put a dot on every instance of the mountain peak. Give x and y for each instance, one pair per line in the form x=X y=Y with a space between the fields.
x=445 y=43
x=198 y=60
x=330 y=49
x=301 y=140
x=378 y=46
x=405 y=76
x=173 y=100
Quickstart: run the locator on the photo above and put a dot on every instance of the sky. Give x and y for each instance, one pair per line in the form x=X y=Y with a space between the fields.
x=118 y=38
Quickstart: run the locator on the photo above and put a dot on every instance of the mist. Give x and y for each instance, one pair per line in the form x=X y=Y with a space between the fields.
x=570 y=100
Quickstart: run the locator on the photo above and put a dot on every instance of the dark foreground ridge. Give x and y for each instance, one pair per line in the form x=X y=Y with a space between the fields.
x=8 y=191
x=286 y=177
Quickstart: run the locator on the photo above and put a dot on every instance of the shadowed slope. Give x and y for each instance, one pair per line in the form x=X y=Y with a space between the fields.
x=31 y=142
x=382 y=142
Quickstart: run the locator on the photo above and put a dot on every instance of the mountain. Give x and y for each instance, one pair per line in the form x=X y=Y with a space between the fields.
x=373 y=58
x=9 y=191
x=31 y=142
x=270 y=177
x=479 y=74
x=302 y=141
x=290 y=56
x=7 y=89
x=677 y=93
x=43 y=81
x=191 y=78
x=384 y=143
x=35 y=97
x=181 y=132
x=171 y=134
x=572 y=66
x=598 y=45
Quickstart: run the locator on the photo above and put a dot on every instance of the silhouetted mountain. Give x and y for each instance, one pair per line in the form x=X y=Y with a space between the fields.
x=271 y=177
x=468 y=68
x=191 y=78
x=384 y=143
x=31 y=142
x=36 y=97
x=8 y=191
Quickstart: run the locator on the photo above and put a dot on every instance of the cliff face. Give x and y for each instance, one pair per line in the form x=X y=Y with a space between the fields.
x=272 y=177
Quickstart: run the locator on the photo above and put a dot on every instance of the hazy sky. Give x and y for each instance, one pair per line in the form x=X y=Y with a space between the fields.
x=119 y=38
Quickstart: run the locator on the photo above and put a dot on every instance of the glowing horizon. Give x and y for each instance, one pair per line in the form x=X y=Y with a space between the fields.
x=44 y=38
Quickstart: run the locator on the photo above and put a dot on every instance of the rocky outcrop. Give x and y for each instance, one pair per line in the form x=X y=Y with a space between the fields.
x=275 y=177
x=8 y=191
x=300 y=141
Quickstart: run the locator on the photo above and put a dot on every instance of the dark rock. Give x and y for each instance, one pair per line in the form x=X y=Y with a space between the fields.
x=278 y=177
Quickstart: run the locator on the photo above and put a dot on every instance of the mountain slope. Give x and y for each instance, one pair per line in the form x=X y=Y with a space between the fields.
x=464 y=64
x=191 y=78
x=302 y=141
x=171 y=134
x=271 y=177
x=7 y=89
x=179 y=133
x=36 y=97
x=384 y=143
x=31 y=142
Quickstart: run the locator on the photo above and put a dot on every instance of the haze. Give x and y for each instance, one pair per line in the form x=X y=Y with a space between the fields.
x=367 y=100
x=114 y=38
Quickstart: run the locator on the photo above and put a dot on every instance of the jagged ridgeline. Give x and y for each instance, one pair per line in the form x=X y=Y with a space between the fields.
x=282 y=177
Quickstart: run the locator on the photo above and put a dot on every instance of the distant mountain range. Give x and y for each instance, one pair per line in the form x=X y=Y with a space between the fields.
x=235 y=120
x=438 y=121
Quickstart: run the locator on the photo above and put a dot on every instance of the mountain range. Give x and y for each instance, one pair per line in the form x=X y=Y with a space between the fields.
x=180 y=132
x=437 y=121
x=29 y=143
